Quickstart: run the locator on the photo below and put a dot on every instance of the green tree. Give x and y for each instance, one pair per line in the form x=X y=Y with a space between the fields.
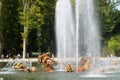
x=0 y=28
x=46 y=37
x=109 y=18
x=10 y=30
x=30 y=17
x=114 y=43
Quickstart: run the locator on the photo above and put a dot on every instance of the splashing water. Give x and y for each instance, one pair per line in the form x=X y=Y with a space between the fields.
x=65 y=31
x=8 y=67
x=88 y=34
x=79 y=38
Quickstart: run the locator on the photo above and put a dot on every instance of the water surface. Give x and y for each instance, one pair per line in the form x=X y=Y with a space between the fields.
x=58 y=75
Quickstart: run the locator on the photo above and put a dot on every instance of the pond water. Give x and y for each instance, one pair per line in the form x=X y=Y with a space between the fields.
x=57 y=75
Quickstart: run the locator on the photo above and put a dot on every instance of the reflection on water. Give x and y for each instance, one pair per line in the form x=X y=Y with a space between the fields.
x=96 y=75
x=57 y=75
x=7 y=72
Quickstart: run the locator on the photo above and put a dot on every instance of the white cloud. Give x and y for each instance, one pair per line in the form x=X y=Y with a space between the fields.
x=118 y=7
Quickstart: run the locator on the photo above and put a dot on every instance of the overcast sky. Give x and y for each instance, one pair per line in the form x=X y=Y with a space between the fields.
x=118 y=7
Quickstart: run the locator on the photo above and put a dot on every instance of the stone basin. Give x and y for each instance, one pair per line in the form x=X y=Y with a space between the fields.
x=59 y=75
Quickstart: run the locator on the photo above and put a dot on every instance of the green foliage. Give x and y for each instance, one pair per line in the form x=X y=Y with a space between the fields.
x=46 y=38
x=0 y=14
x=107 y=15
x=72 y=2
x=24 y=34
x=10 y=28
x=38 y=19
x=32 y=41
x=107 y=51
x=37 y=24
x=114 y=42
x=30 y=17
x=109 y=24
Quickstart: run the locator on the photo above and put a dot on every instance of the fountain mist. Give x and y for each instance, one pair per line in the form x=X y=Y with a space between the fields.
x=65 y=31
x=88 y=32
x=79 y=38
x=8 y=67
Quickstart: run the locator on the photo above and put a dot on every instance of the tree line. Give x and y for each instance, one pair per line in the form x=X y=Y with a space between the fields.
x=28 y=25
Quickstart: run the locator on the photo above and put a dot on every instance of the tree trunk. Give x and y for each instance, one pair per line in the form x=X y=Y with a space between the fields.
x=24 y=47
x=0 y=30
x=24 y=41
x=25 y=9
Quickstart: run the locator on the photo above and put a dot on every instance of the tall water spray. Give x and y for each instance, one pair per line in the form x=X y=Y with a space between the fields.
x=79 y=38
x=88 y=31
x=65 y=30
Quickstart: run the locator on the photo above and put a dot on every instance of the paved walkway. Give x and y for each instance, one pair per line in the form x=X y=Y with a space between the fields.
x=31 y=59
x=35 y=59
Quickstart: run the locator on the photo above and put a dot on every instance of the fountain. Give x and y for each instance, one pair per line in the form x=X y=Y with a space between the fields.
x=65 y=31
x=79 y=38
x=77 y=35
x=88 y=31
x=8 y=67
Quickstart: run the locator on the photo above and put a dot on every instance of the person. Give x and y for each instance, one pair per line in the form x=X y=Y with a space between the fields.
x=18 y=55
x=2 y=56
x=68 y=68
x=27 y=55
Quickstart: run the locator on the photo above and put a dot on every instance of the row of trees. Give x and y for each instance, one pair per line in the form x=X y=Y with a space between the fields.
x=110 y=28
x=28 y=25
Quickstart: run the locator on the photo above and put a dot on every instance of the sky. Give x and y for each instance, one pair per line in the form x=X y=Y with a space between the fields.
x=118 y=7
